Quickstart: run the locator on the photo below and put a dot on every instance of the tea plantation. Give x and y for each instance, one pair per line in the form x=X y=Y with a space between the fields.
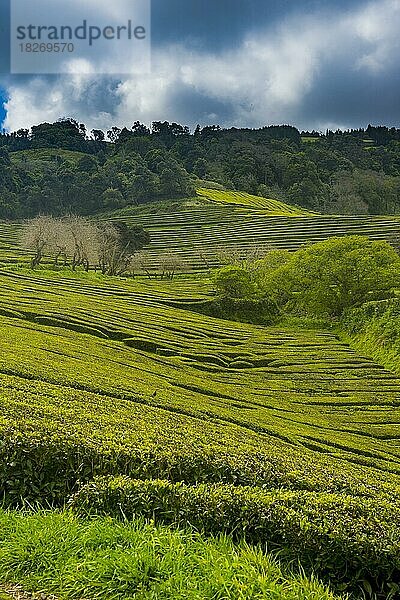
x=225 y=220
x=177 y=455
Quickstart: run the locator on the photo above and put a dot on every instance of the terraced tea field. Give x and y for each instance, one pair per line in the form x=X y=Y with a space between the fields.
x=273 y=207
x=10 y=251
x=195 y=232
x=113 y=378
x=188 y=381
x=117 y=396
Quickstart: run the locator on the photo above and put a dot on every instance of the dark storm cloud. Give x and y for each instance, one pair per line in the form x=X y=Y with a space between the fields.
x=216 y=24
x=239 y=62
x=196 y=108
x=350 y=99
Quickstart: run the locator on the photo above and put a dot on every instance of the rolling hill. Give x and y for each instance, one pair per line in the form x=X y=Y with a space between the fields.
x=120 y=400
x=195 y=231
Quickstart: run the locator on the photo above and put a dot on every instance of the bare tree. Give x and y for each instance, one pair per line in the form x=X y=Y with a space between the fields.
x=228 y=255
x=170 y=263
x=81 y=239
x=58 y=241
x=145 y=264
x=36 y=236
x=207 y=258
x=114 y=252
x=83 y=243
x=247 y=258
x=138 y=260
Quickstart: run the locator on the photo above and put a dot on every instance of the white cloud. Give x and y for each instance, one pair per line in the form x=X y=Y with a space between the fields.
x=265 y=80
x=378 y=27
x=42 y=100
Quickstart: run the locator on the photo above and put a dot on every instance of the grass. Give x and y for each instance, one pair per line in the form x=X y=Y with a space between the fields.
x=103 y=558
x=320 y=530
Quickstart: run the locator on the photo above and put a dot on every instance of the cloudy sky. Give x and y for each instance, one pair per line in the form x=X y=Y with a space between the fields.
x=314 y=64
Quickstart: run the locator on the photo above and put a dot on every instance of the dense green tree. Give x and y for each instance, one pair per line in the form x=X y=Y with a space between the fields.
x=113 y=134
x=133 y=238
x=10 y=207
x=112 y=199
x=357 y=171
x=87 y=163
x=234 y=282
x=200 y=168
x=336 y=274
x=98 y=135
x=65 y=133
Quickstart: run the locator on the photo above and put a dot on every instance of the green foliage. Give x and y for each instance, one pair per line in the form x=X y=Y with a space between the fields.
x=345 y=540
x=331 y=276
x=322 y=279
x=57 y=553
x=272 y=261
x=234 y=282
x=203 y=400
x=65 y=133
x=199 y=230
x=375 y=327
x=112 y=199
x=344 y=173
x=88 y=163
x=261 y=311
x=121 y=377
x=132 y=238
x=56 y=181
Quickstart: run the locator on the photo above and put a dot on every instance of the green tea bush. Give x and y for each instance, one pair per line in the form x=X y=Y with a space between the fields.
x=259 y=311
x=350 y=542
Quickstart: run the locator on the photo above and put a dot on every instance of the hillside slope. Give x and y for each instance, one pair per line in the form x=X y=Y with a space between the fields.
x=197 y=231
x=120 y=399
x=265 y=387
x=267 y=205
x=111 y=378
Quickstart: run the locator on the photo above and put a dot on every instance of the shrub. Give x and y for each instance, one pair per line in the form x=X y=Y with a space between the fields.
x=261 y=311
x=374 y=328
x=234 y=282
x=349 y=541
x=273 y=260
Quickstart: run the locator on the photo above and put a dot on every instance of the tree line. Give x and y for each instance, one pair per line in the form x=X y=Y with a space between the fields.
x=77 y=242
x=61 y=167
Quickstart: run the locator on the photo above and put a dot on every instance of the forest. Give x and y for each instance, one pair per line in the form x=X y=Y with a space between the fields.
x=62 y=168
